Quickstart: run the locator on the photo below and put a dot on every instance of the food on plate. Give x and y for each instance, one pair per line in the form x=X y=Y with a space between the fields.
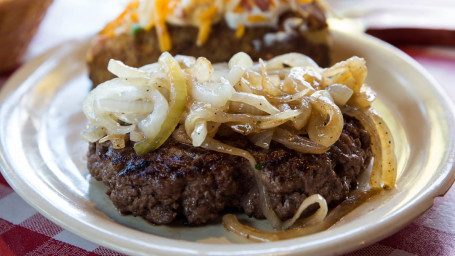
x=212 y=29
x=183 y=138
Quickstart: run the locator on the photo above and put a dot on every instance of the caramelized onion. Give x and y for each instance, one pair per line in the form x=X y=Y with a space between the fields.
x=117 y=140
x=176 y=105
x=317 y=217
x=291 y=97
x=242 y=60
x=384 y=172
x=202 y=69
x=297 y=143
x=262 y=139
x=151 y=125
x=215 y=93
x=267 y=83
x=258 y=101
x=125 y=106
x=199 y=133
x=351 y=72
x=235 y=74
x=264 y=202
x=291 y=60
x=231 y=223
x=92 y=133
x=261 y=122
x=218 y=146
x=340 y=93
x=121 y=70
x=301 y=120
x=326 y=121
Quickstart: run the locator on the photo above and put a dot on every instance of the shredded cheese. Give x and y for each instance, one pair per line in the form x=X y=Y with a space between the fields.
x=134 y=17
x=162 y=9
x=111 y=27
x=149 y=14
x=238 y=9
x=256 y=18
x=240 y=31
x=205 y=24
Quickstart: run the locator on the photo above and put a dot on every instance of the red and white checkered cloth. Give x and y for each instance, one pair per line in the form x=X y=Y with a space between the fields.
x=24 y=231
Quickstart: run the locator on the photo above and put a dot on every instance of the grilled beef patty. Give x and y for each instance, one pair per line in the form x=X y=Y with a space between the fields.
x=311 y=38
x=179 y=180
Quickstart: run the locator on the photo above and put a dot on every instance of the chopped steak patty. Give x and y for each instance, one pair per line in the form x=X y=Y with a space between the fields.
x=179 y=180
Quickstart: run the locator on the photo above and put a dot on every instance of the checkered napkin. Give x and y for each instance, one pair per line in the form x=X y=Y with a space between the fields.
x=23 y=231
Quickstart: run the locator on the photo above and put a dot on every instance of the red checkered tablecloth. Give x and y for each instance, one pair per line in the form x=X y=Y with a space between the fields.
x=24 y=231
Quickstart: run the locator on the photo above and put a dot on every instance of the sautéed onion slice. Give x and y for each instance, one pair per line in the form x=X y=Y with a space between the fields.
x=300 y=228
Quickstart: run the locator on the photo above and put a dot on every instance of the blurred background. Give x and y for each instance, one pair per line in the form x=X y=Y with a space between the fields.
x=404 y=22
x=421 y=28
x=48 y=23
x=400 y=22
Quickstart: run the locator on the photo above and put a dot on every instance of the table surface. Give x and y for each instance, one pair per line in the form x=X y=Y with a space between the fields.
x=23 y=231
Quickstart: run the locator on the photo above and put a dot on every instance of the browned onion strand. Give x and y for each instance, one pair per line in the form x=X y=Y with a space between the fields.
x=264 y=200
x=258 y=101
x=384 y=165
x=213 y=128
x=255 y=121
x=369 y=125
x=267 y=210
x=297 y=143
x=315 y=218
x=291 y=97
x=267 y=84
x=251 y=82
x=262 y=139
x=389 y=164
x=218 y=146
x=246 y=86
x=282 y=73
x=232 y=224
x=301 y=120
x=326 y=121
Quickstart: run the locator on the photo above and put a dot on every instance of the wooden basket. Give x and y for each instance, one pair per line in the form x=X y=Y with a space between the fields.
x=19 y=22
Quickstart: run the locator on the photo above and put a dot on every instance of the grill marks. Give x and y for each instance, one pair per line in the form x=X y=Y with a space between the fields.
x=198 y=186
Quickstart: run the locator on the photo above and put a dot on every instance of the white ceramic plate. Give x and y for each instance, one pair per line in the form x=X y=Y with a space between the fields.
x=43 y=158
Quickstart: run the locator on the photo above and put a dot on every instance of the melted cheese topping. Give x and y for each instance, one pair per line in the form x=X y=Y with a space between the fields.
x=238 y=14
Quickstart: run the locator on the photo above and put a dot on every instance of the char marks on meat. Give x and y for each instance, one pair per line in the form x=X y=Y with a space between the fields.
x=179 y=180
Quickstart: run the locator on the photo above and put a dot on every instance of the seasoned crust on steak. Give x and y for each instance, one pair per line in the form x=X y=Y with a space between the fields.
x=179 y=180
x=143 y=48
